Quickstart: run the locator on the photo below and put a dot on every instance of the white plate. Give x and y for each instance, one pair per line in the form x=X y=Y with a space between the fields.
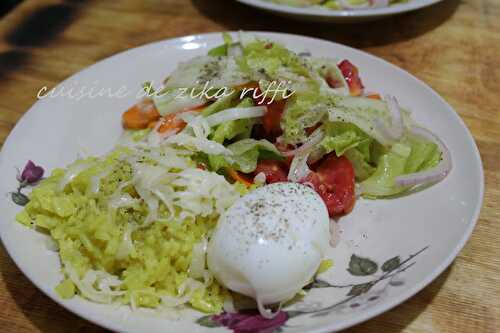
x=440 y=218
x=321 y=14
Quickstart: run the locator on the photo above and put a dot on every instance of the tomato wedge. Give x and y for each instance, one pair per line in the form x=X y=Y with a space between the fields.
x=275 y=171
x=351 y=75
x=334 y=181
x=272 y=118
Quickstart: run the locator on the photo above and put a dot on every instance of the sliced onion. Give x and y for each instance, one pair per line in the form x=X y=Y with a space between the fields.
x=395 y=131
x=197 y=123
x=299 y=169
x=311 y=141
x=396 y=116
x=235 y=114
x=435 y=174
x=207 y=146
x=260 y=178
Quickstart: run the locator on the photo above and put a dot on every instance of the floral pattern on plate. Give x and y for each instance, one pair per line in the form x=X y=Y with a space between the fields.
x=360 y=295
x=29 y=176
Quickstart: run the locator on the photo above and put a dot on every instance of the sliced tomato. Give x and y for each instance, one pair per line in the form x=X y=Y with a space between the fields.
x=275 y=171
x=351 y=75
x=272 y=118
x=334 y=181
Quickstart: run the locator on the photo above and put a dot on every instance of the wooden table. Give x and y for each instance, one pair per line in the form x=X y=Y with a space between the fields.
x=453 y=46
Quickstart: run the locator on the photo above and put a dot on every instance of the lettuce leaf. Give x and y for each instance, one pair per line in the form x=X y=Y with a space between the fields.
x=221 y=50
x=220 y=104
x=271 y=58
x=407 y=157
x=424 y=155
x=362 y=169
x=362 y=112
x=240 y=128
x=347 y=139
x=218 y=51
x=246 y=154
x=390 y=165
x=302 y=111
x=340 y=137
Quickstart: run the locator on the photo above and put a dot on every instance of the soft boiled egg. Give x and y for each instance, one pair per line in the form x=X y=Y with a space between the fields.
x=270 y=243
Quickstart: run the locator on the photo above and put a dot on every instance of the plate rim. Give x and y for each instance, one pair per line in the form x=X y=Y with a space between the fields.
x=369 y=314
x=329 y=13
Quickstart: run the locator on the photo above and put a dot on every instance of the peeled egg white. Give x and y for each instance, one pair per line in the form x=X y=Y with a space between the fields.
x=270 y=243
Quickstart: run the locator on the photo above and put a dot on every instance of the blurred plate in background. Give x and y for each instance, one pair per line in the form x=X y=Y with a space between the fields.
x=320 y=14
